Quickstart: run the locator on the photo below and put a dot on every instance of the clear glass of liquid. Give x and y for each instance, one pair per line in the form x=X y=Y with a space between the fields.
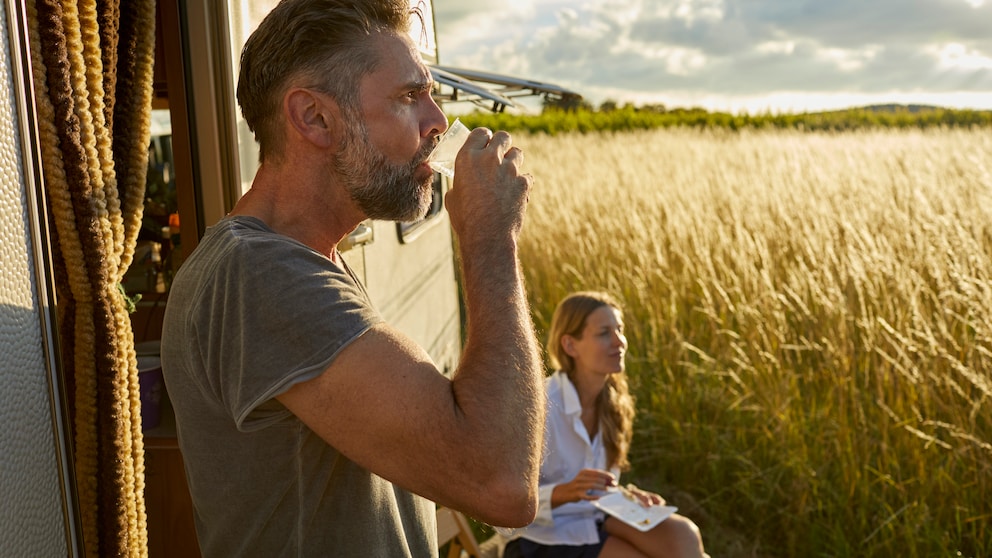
x=442 y=159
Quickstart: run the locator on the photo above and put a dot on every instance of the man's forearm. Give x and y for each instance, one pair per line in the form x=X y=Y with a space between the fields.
x=499 y=385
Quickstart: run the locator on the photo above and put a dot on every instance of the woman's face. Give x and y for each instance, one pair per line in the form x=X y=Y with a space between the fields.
x=601 y=347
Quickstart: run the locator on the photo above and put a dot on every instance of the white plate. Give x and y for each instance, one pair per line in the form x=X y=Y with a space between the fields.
x=632 y=512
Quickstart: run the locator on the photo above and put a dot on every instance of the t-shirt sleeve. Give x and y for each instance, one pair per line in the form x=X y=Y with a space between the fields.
x=276 y=314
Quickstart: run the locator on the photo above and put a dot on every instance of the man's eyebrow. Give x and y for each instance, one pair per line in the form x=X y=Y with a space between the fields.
x=424 y=84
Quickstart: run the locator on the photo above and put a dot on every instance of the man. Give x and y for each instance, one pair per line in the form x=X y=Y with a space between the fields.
x=308 y=426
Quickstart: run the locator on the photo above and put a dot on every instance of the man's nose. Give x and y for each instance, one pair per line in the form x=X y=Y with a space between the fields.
x=435 y=122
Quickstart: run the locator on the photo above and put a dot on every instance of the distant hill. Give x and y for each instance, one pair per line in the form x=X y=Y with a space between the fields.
x=913 y=109
x=886 y=109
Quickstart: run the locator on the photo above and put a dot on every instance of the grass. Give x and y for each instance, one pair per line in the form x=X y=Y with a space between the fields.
x=810 y=325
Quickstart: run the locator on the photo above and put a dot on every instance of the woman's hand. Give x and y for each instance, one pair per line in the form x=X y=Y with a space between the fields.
x=589 y=484
x=645 y=498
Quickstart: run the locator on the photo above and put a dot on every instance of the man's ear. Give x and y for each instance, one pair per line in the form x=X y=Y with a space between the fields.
x=313 y=115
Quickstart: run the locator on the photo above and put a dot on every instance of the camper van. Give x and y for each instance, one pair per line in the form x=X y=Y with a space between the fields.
x=201 y=159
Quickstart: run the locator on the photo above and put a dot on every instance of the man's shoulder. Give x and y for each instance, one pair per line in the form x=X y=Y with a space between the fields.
x=234 y=231
x=241 y=242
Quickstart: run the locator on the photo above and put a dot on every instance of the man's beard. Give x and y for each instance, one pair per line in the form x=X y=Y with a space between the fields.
x=383 y=190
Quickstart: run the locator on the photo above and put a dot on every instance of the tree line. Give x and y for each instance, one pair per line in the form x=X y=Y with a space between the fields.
x=576 y=115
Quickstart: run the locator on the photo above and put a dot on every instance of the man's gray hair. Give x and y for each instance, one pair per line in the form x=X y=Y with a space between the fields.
x=322 y=44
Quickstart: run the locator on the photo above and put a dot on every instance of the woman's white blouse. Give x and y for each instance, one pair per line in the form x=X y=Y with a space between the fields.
x=567 y=450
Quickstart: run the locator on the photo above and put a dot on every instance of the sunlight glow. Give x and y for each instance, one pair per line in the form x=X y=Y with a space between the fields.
x=776 y=47
x=678 y=61
x=849 y=60
x=705 y=10
x=959 y=57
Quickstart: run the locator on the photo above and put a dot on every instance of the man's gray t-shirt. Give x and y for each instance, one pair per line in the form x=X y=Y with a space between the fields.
x=250 y=314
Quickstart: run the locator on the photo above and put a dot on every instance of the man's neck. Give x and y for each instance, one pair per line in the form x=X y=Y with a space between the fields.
x=301 y=208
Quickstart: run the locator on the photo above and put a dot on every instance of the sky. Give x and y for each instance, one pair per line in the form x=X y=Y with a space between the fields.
x=739 y=56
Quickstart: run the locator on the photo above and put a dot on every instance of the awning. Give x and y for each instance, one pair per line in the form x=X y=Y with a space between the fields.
x=477 y=87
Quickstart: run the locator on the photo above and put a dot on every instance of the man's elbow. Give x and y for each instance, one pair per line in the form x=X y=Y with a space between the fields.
x=513 y=505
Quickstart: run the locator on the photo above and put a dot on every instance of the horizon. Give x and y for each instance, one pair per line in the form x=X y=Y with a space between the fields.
x=779 y=56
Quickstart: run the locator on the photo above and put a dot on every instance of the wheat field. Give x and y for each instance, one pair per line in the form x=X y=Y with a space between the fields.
x=810 y=325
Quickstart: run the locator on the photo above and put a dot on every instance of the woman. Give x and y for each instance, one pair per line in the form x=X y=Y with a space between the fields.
x=588 y=433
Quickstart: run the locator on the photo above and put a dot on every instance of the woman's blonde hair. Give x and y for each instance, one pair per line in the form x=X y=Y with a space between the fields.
x=615 y=406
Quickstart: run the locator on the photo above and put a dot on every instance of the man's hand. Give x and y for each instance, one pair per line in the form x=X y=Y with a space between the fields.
x=489 y=196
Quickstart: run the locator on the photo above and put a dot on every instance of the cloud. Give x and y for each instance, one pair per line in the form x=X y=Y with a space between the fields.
x=686 y=48
x=850 y=23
